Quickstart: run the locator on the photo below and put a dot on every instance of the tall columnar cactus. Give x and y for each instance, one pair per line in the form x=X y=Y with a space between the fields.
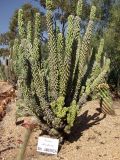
x=79 y=8
x=60 y=54
x=67 y=59
x=84 y=51
x=29 y=31
x=21 y=24
x=53 y=60
x=15 y=57
x=56 y=95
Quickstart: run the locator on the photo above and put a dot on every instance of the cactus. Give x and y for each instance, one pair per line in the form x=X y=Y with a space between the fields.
x=106 y=100
x=6 y=73
x=56 y=95
x=2 y=73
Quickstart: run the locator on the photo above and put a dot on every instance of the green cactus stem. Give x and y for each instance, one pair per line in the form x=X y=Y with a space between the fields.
x=58 y=107
x=85 y=50
x=79 y=8
x=29 y=31
x=53 y=60
x=67 y=60
x=21 y=28
x=71 y=115
x=60 y=52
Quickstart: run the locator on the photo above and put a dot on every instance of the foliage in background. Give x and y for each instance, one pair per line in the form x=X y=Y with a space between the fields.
x=112 y=39
x=29 y=12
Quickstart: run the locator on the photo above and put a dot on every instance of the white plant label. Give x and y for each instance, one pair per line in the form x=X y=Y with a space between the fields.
x=47 y=145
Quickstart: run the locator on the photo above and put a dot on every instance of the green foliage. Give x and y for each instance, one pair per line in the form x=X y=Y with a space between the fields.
x=29 y=15
x=112 y=44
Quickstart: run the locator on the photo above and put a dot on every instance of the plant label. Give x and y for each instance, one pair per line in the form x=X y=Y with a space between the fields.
x=47 y=145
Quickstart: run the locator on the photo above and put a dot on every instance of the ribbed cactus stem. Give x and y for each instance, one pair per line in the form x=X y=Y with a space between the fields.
x=77 y=28
x=53 y=58
x=49 y=4
x=37 y=26
x=100 y=77
x=29 y=31
x=39 y=82
x=71 y=116
x=36 y=54
x=58 y=107
x=2 y=73
x=60 y=52
x=67 y=60
x=79 y=8
x=23 y=71
x=97 y=64
x=29 y=99
x=21 y=28
x=15 y=57
x=15 y=47
x=78 y=53
x=92 y=13
x=100 y=51
x=84 y=54
x=106 y=100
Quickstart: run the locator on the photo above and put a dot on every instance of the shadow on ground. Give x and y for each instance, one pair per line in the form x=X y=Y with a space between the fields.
x=84 y=122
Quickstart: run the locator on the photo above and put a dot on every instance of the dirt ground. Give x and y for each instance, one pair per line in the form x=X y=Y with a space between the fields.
x=94 y=137
x=7 y=93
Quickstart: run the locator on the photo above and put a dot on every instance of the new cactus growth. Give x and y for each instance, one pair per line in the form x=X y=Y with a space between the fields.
x=55 y=96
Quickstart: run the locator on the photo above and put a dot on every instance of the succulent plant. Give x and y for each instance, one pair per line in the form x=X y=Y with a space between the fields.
x=56 y=95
